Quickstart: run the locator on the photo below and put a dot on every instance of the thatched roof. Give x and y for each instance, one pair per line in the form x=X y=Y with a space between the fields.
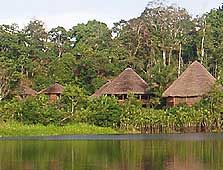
x=194 y=81
x=126 y=82
x=99 y=92
x=27 y=91
x=53 y=89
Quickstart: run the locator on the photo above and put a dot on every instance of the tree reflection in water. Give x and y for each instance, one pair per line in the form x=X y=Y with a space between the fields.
x=111 y=155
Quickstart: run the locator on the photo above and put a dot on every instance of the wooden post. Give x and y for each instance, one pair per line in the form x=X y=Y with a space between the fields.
x=179 y=60
x=123 y=97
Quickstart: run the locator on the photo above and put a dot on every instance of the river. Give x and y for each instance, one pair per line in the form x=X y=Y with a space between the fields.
x=113 y=152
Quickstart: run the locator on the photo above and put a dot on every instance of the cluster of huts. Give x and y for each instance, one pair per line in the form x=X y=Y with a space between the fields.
x=54 y=92
x=193 y=84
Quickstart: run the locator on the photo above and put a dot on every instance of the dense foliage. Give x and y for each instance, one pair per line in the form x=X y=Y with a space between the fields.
x=159 y=44
x=129 y=116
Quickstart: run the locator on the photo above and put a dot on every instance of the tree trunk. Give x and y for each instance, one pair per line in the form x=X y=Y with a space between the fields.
x=22 y=69
x=179 y=60
x=153 y=57
x=164 y=57
x=72 y=106
x=138 y=40
x=216 y=69
x=60 y=52
x=170 y=55
x=1 y=95
x=202 y=43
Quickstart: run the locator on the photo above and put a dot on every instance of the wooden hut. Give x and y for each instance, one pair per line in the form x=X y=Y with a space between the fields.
x=27 y=91
x=190 y=87
x=126 y=82
x=54 y=91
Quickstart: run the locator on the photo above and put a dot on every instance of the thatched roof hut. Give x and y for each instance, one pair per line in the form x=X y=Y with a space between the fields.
x=126 y=82
x=101 y=91
x=53 y=89
x=27 y=91
x=189 y=88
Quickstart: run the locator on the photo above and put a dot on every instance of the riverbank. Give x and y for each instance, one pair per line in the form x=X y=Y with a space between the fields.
x=19 y=129
x=15 y=129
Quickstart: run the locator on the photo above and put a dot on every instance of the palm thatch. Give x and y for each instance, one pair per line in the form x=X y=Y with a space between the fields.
x=53 y=89
x=194 y=81
x=27 y=91
x=99 y=92
x=126 y=82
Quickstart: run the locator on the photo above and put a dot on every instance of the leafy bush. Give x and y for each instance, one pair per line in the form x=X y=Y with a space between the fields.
x=131 y=110
x=9 y=109
x=73 y=98
x=104 y=111
x=32 y=111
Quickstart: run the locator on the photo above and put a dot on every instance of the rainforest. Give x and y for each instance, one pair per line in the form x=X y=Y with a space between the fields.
x=159 y=45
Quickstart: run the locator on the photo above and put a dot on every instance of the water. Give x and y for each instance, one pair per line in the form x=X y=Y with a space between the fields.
x=114 y=152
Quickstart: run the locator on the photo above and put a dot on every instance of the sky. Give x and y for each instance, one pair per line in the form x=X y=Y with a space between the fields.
x=68 y=13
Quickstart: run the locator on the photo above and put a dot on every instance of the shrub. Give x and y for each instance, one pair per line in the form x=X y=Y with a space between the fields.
x=104 y=111
x=38 y=111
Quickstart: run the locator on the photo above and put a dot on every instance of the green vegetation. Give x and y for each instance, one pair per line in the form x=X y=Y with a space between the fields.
x=40 y=117
x=19 y=129
x=159 y=45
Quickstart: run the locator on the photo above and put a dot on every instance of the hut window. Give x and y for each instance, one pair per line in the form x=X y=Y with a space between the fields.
x=122 y=96
x=119 y=97
x=170 y=101
x=144 y=97
x=138 y=96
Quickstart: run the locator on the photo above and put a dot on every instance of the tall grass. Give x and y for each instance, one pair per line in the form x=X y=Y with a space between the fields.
x=19 y=129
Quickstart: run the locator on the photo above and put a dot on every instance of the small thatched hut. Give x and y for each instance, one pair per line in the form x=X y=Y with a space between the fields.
x=126 y=82
x=27 y=91
x=190 y=87
x=54 y=91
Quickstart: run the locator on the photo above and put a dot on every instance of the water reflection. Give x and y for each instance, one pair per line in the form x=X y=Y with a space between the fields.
x=112 y=155
x=178 y=164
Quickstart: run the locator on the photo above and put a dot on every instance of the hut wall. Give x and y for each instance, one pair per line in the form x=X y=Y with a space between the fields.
x=192 y=100
x=173 y=101
x=144 y=98
x=53 y=97
x=170 y=101
x=180 y=100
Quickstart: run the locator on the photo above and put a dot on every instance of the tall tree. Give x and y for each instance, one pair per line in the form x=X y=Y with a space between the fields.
x=61 y=40
x=159 y=35
x=169 y=28
x=9 y=77
x=211 y=31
